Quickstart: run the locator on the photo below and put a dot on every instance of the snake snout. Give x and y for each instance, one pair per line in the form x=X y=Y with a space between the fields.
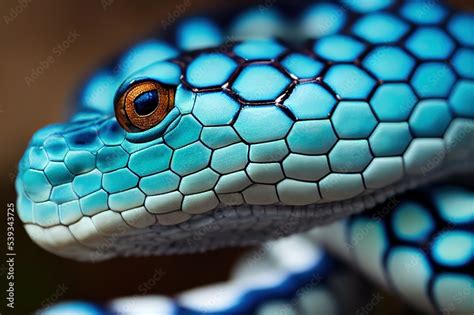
x=42 y=134
x=64 y=163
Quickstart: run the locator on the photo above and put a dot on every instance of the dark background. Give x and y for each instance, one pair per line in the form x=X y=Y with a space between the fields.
x=105 y=27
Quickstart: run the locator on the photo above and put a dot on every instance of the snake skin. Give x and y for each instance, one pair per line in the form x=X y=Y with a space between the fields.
x=419 y=246
x=260 y=132
x=357 y=102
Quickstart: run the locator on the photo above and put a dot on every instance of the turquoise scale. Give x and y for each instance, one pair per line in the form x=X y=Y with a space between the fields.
x=56 y=148
x=259 y=49
x=165 y=72
x=119 y=180
x=318 y=167
x=462 y=98
x=190 y=159
x=430 y=118
x=252 y=124
x=318 y=20
x=430 y=43
x=111 y=158
x=87 y=183
x=380 y=62
x=159 y=183
x=393 y=101
x=453 y=248
x=311 y=137
x=412 y=222
x=138 y=160
x=310 y=101
x=63 y=193
x=367 y=6
x=127 y=199
x=380 y=28
x=257 y=23
x=70 y=212
x=94 y=203
x=46 y=213
x=144 y=54
x=454 y=204
x=57 y=173
x=230 y=159
x=349 y=82
x=459 y=27
x=186 y=132
x=268 y=152
x=250 y=87
x=421 y=13
x=215 y=109
x=390 y=138
x=338 y=48
x=37 y=158
x=36 y=185
x=346 y=127
x=199 y=182
x=463 y=62
x=359 y=152
x=302 y=66
x=197 y=75
x=433 y=79
x=197 y=33
x=79 y=162
x=219 y=136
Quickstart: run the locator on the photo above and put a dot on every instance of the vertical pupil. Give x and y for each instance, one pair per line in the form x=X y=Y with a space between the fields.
x=146 y=102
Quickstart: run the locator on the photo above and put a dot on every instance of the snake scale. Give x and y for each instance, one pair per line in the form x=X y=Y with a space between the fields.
x=338 y=121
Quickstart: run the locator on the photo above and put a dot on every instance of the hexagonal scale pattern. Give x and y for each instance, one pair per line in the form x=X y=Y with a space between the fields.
x=353 y=120
x=369 y=104
x=395 y=242
x=393 y=101
x=380 y=28
x=251 y=83
x=197 y=75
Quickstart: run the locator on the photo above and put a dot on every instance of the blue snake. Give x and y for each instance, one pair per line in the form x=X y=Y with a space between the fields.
x=272 y=123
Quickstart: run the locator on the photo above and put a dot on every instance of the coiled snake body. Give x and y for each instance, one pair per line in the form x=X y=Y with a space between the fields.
x=266 y=127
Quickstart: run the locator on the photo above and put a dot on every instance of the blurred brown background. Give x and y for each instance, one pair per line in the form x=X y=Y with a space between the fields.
x=29 y=31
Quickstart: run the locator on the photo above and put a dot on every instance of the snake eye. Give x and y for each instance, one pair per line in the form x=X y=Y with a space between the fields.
x=143 y=104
